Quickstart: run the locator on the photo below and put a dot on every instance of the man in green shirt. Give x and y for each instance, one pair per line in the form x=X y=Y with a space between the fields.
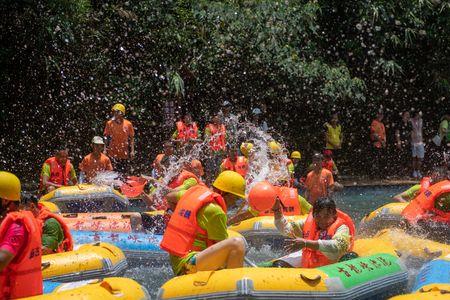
x=52 y=232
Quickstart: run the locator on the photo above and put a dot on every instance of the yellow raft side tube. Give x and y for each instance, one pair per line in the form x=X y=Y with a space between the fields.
x=114 y=288
x=280 y=279
x=79 y=189
x=386 y=216
x=337 y=281
x=87 y=262
x=409 y=245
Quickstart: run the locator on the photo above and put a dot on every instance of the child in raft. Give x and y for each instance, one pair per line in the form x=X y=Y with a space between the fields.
x=325 y=237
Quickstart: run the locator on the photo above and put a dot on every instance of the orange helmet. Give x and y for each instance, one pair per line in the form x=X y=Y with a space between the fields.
x=262 y=196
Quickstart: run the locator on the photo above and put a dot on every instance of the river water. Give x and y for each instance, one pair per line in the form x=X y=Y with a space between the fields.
x=356 y=201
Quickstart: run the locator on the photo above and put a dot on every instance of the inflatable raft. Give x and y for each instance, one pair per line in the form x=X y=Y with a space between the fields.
x=260 y=231
x=87 y=198
x=112 y=222
x=107 y=288
x=87 y=262
x=137 y=247
x=432 y=281
x=375 y=276
x=386 y=216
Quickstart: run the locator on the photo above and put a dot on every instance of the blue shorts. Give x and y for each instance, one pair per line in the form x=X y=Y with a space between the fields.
x=418 y=150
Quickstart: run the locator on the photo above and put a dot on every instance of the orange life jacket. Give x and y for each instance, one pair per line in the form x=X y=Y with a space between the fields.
x=67 y=243
x=239 y=166
x=314 y=258
x=289 y=199
x=183 y=230
x=184 y=175
x=58 y=174
x=423 y=206
x=186 y=132
x=217 y=140
x=23 y=276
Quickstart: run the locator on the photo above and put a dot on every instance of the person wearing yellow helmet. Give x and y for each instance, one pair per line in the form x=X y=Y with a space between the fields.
x=199 y=222
x=119 y=136
x=294 y=168
x=246 y=148
x=20 y=244
x=274 y=148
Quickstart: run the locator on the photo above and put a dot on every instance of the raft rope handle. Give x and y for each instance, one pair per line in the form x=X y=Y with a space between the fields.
x=311 y=281
x=45 y=265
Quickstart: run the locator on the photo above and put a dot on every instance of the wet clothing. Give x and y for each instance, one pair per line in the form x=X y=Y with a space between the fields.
x=15 y=238
x=90 y=165
x=318 y=184
x=334 y=136
x=332 y=248
x=212 y=219
x=377 y=129
x=119 y=136
x=22 y=277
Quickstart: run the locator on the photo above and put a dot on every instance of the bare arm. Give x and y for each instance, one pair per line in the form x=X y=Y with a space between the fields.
x=132 y=153
x=240 y=217
x=46 y=183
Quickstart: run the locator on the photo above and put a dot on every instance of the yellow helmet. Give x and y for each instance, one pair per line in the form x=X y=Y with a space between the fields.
x=274 y=147
x=119 y=107
x=296 y=154
x=10 y=187
x=231 y=182
x=246 y=148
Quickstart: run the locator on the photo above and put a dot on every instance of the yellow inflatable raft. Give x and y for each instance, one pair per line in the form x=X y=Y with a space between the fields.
x=376 y=276
x=87 y=198
x=261 y=230
x=87 y=262
x=386 y=216
x=113 y=288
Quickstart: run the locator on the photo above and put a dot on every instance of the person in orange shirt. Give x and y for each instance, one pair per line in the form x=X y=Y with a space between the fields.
x=119 y=134
x=378 y=138
x=168 y=154
x=319 y=182
x=95 y=161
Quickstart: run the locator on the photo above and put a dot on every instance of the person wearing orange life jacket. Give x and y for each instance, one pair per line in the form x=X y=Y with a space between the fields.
x=323 y=238
x=167 y=154
x=216 y=133
x=235 y=163
x=156 y=200
x=328 y=162
x=57 y=171
x=431 y=205
x=292 y=204
x=20 y=244
x=186 y=130
x=414 y=191
x=56 y=236
x=196 y=237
